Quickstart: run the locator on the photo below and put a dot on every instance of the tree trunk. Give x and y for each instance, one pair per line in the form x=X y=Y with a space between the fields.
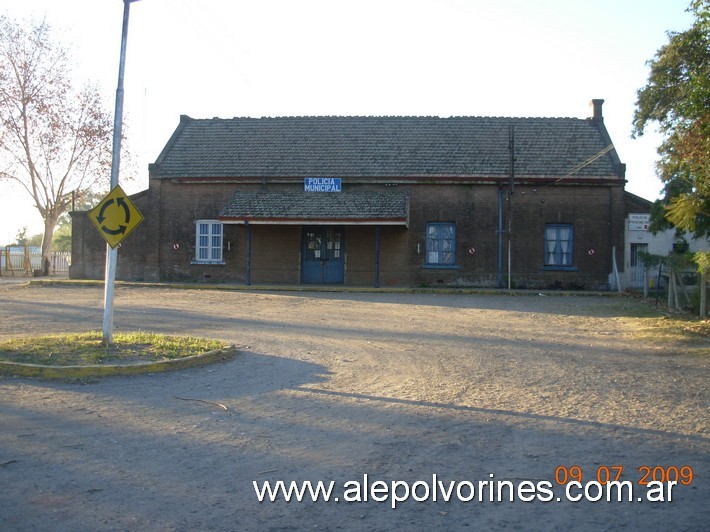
x=50 y=222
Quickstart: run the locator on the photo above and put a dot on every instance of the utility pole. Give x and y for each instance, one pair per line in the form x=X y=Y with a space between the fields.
x=511 y=189
x=112 y=252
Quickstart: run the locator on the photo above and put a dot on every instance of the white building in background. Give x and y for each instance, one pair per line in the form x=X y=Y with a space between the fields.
x=638 y=239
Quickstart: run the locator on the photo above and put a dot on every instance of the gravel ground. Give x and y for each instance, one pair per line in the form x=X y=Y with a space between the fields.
x=336 y=386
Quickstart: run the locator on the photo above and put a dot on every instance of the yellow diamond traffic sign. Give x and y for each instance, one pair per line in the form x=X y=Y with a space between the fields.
x=115 y=216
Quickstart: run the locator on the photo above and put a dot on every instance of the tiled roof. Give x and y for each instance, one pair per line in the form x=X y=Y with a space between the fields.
x=299 y=206
x=384 y=147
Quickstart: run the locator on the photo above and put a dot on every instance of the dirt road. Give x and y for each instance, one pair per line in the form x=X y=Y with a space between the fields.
x=336 y=386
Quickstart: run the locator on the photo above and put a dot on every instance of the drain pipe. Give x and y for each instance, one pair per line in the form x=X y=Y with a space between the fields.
x=248 y=275
x=377 y=256
x=500 y=236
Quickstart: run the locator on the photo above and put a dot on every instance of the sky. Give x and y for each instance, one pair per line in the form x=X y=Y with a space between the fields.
x=227 y=58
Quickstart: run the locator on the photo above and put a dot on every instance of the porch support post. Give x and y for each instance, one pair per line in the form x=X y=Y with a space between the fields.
x=248 y=279
x=377 y=256
x=500 y=236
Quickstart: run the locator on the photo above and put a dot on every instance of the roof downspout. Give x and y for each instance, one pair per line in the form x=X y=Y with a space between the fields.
x=377 y=256
x=511 y=189
x=248 y=275
x=500 y=236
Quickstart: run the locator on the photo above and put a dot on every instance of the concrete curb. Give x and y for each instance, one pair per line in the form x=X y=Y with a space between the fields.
x=328 y=288
x=82 y=372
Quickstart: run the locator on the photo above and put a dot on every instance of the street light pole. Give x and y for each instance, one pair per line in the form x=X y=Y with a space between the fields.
x=511 y=189
x=112 y=253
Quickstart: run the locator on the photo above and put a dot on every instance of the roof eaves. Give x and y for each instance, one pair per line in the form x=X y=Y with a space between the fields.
x=154 y=168
x=613 y=154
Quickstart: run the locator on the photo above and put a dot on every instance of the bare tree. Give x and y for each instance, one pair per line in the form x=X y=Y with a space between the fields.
x=55 y=139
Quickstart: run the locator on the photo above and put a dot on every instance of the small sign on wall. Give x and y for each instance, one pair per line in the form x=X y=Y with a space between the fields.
x=639 y=222
x=322 y=184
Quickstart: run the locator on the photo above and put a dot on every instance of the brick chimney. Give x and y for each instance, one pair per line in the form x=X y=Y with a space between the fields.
x=597 y=105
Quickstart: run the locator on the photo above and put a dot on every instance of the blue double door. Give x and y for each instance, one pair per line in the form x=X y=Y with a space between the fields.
x=322 y=255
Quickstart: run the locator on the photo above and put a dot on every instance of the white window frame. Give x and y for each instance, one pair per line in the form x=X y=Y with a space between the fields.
x=209 y=236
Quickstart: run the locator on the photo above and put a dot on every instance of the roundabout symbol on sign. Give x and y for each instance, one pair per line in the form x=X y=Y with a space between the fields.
x=121 y=229
x=115 y=216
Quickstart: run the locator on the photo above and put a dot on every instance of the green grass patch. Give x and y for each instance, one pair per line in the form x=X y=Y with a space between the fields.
x=679 y=332
x=87 y=349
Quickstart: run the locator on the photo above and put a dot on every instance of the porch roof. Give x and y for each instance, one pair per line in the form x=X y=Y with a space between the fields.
x=314 y=208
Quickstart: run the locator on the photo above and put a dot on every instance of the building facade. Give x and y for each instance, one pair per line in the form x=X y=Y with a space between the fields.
x=639 y=241
x=376 y=201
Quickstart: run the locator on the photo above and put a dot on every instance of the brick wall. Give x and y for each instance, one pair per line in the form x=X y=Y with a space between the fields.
x=89 y=248
x=163 y=247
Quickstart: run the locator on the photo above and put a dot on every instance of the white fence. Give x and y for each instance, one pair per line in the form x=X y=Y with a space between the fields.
x=19 y=260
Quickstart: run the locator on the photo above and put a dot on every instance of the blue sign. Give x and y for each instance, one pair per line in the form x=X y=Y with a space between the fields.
x=322 y=184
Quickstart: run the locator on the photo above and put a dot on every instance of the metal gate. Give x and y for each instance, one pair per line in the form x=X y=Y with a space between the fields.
x=322 y=255
x=635 y=276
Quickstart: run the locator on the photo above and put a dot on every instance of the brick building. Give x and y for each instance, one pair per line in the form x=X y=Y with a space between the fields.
x=376 y=201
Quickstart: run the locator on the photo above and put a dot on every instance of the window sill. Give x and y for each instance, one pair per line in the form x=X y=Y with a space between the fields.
x=560 y=269
x=208 y=263
x=441 y=267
